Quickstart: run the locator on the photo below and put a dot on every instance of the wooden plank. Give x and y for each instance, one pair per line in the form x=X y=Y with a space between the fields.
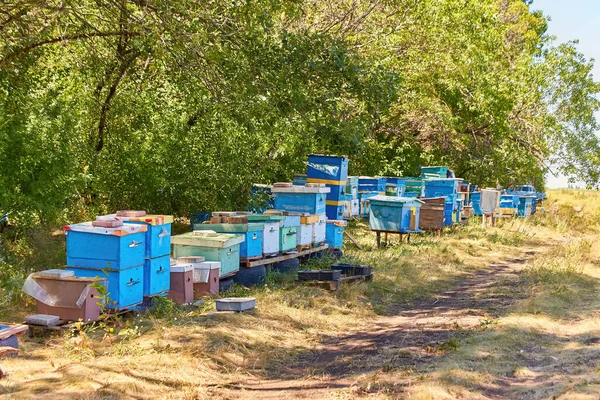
x=284 y=257
x=352 y=240
x=228 y=275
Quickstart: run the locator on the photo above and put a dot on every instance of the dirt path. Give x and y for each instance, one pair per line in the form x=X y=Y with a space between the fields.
x=413 y=339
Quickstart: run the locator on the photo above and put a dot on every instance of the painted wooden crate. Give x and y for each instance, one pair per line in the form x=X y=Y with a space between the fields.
x=432 y=214
x=526 y=204
x=435 y=172
x=414 y=187
x=394 y=214
x=99 y=248
x=364 y=202
x=371 y=184
x=352 y=187
x=253 y=233
x=125 y=287
x=213 y=246
x=304 y=199
x=476 y=202
x=305 y=234
x=157 y=276
x=334 y=234
x=319 y=230
x=72 y=298
x=182 y=283
x=327 y=169
x=273 y=224
x=158 y=234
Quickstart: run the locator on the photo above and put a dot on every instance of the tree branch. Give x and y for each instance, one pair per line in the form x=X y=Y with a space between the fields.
x=78 y=36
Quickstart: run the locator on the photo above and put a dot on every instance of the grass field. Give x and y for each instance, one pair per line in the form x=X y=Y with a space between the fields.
x=506 y=312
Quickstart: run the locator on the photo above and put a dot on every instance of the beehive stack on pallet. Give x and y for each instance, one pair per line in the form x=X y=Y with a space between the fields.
x=115 y=253
x=308 y=203
x=157 y=260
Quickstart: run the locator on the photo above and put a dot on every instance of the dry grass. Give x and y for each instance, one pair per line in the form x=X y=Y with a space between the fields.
x=546 y=345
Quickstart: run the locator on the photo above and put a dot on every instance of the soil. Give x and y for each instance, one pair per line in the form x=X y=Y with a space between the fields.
x=414 y=338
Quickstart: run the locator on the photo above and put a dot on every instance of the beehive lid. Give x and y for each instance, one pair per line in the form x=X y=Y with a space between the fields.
x=336 y=222
x=207 y=239
x=191 y=259
x=182 y=267
x=396 y=200
x=233 y=228
x=302 y=189
x=224 y=213
x=273 y=212
x=209 y=265
x=131 y=213
x=56 y=273
x=124 y=230
x=42 y=319
x=266 y=217
x=150 y=219
x=107 y=223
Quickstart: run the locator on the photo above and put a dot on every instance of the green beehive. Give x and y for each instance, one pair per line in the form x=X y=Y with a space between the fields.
x=222 y=247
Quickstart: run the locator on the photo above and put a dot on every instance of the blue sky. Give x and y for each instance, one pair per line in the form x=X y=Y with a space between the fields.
x=573 y=20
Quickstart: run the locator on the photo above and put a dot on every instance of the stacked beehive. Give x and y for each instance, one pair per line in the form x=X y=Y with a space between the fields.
x=157 y=248
x=331 y=171
x=394 y=186
x=351 y=201
x=307 y=203
x=113 y=250
x=369 y=187
x=447 y=188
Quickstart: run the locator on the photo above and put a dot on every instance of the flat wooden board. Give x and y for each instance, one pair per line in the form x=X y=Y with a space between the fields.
x=273 y=260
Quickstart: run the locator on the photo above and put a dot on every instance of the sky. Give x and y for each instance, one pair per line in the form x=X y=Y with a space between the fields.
x=573 y=20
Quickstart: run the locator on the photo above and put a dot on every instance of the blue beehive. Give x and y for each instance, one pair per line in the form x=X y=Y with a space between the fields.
x=334 y=233
x=305 y=199
x=509 y=201
x=125 y=287
x=413 y=187
x=436 y=172
x=158 y=235
x=299 y=179
x=442 y=187
x=476 y=203
x=334 y=210
x=327 y=169
x=371 y=184
x=252 y=246
x=525 y=206
x=364 y=202
x=394 y=214
x=449 y=213
x=157 y=275
x=399 y=182
x=352 y=187
x=99 y=248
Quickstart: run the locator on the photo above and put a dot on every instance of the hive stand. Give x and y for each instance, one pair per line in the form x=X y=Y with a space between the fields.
x=485 y=217
x=378 y=234
x=273 y=260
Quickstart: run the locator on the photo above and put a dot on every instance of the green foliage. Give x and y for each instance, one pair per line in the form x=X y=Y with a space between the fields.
x=179 y=106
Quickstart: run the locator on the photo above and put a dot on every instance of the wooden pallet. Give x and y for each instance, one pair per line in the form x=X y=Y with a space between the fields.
x=335 y=284
x=301 y=247
x=283 y=257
